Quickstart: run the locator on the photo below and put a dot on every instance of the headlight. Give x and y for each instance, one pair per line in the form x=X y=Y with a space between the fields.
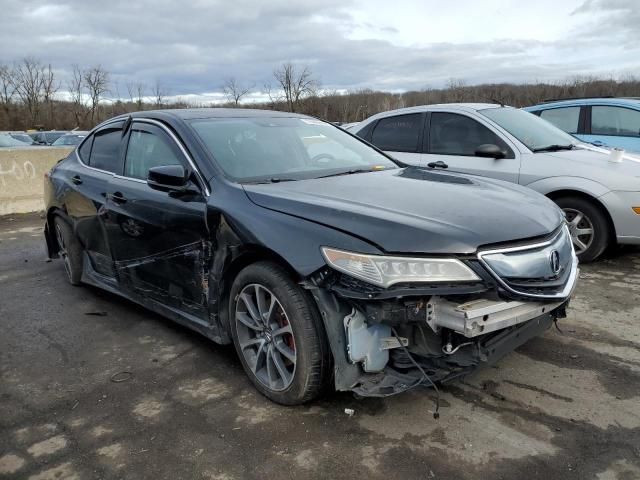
x=385 y=271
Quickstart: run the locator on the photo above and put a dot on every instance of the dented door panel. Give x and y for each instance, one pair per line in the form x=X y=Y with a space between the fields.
x=159 y=244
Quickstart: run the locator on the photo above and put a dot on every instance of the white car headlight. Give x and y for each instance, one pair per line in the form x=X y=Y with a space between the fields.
x=385 y=271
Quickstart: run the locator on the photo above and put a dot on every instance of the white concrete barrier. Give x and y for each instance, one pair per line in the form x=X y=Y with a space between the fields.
x=22 y=177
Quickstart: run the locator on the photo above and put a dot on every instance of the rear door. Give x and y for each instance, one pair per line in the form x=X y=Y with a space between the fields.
x=158 y=239
x=99 y=158
x=454 y=137
x=612 y=126
x=400 y=136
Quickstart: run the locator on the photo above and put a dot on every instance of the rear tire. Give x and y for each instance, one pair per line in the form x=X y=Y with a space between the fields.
x=70 y=250
x=588 y=225
x=278 y=334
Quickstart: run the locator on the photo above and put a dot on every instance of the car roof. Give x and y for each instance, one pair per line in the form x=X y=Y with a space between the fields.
x=214 y=112
x=632 y=102
x=203 y=113
x=465 y=107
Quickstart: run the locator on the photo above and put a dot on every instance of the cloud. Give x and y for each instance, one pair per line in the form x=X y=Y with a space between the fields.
x=190 y=47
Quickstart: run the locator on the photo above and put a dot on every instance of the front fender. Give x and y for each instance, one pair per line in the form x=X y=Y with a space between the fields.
x=579 y=184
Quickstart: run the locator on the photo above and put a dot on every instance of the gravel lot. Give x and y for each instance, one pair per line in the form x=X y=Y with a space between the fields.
x=566 y=405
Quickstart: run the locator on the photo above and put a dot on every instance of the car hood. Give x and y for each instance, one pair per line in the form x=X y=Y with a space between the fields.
x=412 y=210
x=593 y=162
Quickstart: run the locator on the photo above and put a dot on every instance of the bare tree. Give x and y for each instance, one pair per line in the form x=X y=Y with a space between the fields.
x=234 y=91
x=96 y=80
x=29 y=83
x=136 y=93
x=159 y=92
x=75 y=85
x=7 y=88
x=49 y=89
x=295 y=83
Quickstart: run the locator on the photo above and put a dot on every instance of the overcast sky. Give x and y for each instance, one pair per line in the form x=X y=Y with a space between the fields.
x=191 y=46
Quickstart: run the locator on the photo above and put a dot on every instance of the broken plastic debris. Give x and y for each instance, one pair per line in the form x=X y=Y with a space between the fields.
x=349 y=411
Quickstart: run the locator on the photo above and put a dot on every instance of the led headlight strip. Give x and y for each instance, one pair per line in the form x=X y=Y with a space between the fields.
x=385 y=271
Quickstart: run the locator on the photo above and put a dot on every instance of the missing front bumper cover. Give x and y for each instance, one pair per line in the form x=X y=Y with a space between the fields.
x=482 y=316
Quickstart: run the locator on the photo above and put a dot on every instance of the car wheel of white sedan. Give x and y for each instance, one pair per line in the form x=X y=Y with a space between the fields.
x=589 y=228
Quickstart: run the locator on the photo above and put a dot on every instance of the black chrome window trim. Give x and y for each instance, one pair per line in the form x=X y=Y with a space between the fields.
x=571 y=281
x=173 y=138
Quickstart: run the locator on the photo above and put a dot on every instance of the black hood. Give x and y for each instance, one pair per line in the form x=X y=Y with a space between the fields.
x=412 y=210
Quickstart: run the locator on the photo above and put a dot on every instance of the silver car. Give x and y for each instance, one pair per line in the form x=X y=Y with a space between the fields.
x=598 y=190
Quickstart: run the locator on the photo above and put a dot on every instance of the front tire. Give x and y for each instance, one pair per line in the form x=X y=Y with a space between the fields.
x=278 y=335
x=588 y=225
x=69 y=250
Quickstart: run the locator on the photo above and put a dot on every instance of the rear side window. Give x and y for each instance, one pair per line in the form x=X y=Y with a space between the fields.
x=105 y=152
x=615 y=121
x=454 y=134
x=85 y=150
x=566 y=118
x=398 y=134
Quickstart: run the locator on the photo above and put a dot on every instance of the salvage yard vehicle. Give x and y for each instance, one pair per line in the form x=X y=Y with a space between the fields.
x=600 y=197
x=317 y=255
x=604 y=122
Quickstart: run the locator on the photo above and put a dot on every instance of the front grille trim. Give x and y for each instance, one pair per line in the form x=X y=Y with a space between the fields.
x=539 y=291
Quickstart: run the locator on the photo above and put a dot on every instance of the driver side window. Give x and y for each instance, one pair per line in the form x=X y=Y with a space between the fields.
x=149 y=147
x=455 y=134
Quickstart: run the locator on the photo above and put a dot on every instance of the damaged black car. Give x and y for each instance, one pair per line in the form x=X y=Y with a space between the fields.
x=324 y=261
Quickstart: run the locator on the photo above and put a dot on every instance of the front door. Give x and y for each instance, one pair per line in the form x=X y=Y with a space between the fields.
x=453 y=138
x=158 y=240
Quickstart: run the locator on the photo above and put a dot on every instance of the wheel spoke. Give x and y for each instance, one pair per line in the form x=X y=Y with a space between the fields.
x=580 y=244
x=270 y=367
x=261 y=358
x=284 y=349
x=269 y=315
x=285 y=375
x=252 y=343
x=251 y=307
x=576 y=220
x=261 y=301
x=282 y=330
x=248 y=321
x=584 y=231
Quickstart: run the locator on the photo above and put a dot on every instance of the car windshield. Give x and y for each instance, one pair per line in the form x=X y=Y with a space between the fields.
x=537 y=134
x=9 y=141
x=281 y=149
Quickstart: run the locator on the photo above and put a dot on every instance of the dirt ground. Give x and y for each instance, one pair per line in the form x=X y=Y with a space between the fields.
x=566 y=405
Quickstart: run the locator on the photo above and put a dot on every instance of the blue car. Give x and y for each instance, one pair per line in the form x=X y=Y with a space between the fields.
x=605 y=122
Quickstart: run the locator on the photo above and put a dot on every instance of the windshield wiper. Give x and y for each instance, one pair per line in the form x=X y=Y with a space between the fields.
x=349 y=172
x=273 y=180
x=554 y=148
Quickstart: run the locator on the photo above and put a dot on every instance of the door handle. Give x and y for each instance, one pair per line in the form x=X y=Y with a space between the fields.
x=117 y=197
x=76 y=179
x=597 y=143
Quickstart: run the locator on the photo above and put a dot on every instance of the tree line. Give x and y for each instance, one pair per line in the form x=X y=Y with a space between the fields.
x=32 y=95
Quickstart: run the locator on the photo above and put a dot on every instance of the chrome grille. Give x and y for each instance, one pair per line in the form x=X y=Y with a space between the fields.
x=542 y=270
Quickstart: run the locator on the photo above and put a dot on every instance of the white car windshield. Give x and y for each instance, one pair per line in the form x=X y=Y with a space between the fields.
x=537 y=134
x=281 y=148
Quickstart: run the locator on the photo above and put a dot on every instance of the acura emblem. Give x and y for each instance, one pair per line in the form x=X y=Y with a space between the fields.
x=554 y=261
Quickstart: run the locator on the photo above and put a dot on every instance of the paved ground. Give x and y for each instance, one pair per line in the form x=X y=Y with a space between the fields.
x=563 y=406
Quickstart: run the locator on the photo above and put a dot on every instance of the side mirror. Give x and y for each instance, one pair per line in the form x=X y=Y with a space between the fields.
x=168 y=178
x=489 y=150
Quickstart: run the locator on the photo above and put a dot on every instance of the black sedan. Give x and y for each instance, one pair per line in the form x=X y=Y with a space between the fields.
x=321 y=258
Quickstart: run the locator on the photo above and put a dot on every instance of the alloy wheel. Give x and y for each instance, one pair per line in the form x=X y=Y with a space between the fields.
x=265 y=337
x=580 y=228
